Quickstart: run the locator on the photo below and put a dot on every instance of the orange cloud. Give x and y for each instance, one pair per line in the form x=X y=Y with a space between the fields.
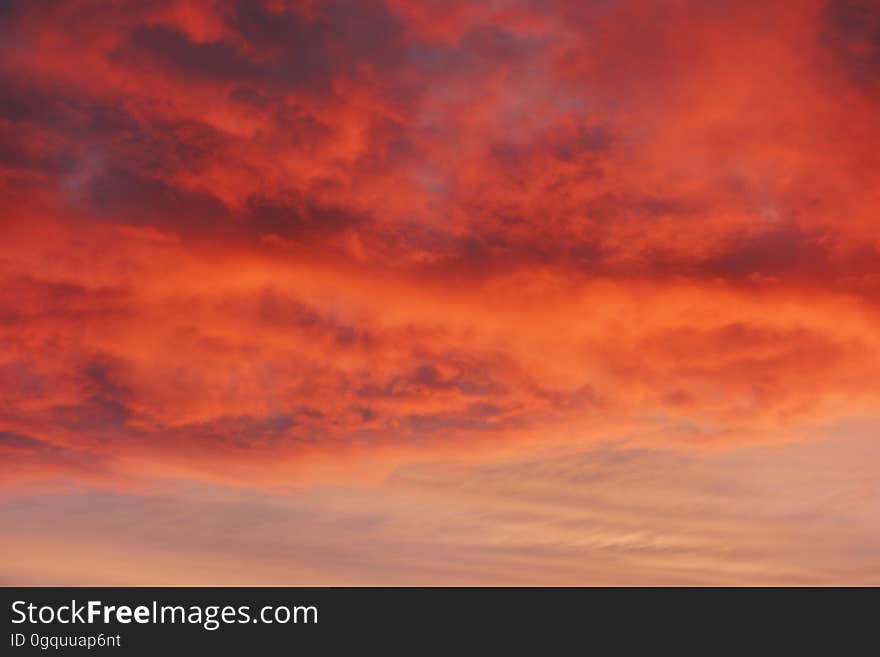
x=276 y=244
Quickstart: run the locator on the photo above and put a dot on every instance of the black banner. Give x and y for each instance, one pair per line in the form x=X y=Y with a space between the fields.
x=133 y=621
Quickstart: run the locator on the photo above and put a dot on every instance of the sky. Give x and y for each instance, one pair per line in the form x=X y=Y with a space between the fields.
x=354 y=292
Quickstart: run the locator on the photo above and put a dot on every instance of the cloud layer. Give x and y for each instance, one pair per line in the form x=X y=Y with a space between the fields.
x=277 y=245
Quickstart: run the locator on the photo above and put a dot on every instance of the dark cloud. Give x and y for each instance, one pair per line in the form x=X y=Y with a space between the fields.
x=128 y=196
x=170 y=147
x=302 y=220
x=61 y=108
x=249 y=96
x=105 y=377
x=32 y=300
x=294 y=48
x=21 y=451
x=19 y=441
x=852 y=31
x=783 y=249
x=96 y=416
x=19 y=153
x=171 y=48
x=481 y=50
x=282 y=48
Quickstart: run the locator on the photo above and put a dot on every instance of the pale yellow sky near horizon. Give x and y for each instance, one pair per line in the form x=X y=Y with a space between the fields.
x=794 y=514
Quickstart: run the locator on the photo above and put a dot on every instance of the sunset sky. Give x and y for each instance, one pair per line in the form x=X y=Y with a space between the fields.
x=562 y=292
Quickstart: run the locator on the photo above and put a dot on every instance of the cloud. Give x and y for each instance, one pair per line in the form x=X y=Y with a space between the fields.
x=800 y=514
x=190 y=355
x=272 y=244
x=852 y=33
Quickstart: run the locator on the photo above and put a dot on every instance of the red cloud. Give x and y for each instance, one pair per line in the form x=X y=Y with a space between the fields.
x=245 y=240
